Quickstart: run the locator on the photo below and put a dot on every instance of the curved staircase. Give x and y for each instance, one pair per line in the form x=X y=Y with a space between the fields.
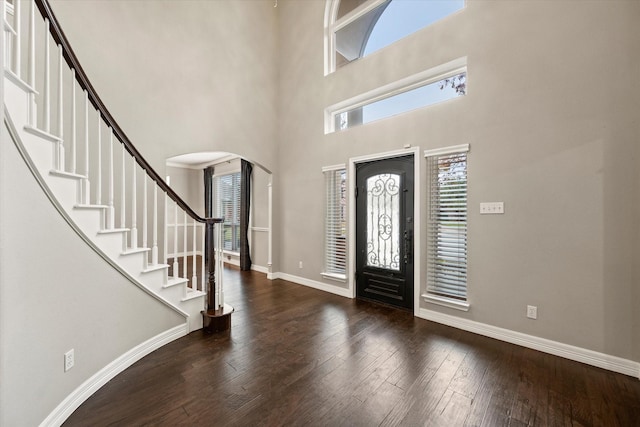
x=95 y=176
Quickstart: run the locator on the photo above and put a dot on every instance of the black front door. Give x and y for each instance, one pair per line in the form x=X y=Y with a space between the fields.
x=384 y=231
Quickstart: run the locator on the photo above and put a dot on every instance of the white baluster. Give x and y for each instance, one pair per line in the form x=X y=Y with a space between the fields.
x=60 y=110
x=219 y=296
x=111 y=212
x=194 y=278
x=175 y=240
x=134 y=229
x=86 y=186
x=184 y=247
x=47 y=79
x=154 y=231
x=165 y=235
x=32 y=65
x=144 y=214
x=122 y=192
x=17 y=55
x=99 y=177
x=203 y=277
x=73 y=121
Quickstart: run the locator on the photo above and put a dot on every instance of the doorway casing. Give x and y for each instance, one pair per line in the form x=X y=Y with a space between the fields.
x=417 y=235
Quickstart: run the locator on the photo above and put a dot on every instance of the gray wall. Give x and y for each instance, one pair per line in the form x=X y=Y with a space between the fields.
x=551 y=115
x=189 y=185
x=182 y=77
x=552 y=118
x=57 y=294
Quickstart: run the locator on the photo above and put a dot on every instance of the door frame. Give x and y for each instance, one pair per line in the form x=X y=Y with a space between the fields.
x=417 y=204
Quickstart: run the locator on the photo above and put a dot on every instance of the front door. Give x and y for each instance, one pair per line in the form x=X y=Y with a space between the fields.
x=384 y=231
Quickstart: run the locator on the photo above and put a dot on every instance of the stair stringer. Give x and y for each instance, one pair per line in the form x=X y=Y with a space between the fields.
x=37 y=149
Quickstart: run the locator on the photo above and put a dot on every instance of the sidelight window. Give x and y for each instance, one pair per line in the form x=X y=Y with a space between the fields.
x=447 y=227
x=335 y=245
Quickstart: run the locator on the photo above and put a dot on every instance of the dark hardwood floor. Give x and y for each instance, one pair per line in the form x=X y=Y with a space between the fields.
x=298 y=356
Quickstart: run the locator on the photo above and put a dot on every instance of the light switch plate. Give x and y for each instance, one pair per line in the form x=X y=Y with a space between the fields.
x=489 y=208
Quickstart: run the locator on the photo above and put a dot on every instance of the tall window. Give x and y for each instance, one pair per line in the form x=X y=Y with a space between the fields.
x=441 y=83
x=335 y=246
x=227 y=200
x=447 y=226
x=356 y=28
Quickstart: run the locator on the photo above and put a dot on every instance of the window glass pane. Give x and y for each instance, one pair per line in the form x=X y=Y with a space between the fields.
x=423 y=96
x=386 y=24
x=383 y=217
x=335 y=222
x=351 y=40
x=447 y=226
x=228 y=207
x=404 y=17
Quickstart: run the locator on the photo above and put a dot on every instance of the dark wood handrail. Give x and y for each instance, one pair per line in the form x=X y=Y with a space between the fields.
x=72 y=60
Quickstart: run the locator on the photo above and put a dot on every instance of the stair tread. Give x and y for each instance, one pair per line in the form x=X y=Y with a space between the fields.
x=155 y=267
x=113 y=230
x=89 y=206
x=193 y=294
x=65 y=174
x=42 y=134
x=174 y=281
x=130 y=251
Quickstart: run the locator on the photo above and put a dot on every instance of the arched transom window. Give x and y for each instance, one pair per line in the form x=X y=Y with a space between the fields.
x=356 y=28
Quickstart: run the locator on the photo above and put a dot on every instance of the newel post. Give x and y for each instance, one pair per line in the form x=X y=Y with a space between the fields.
x=217 y=315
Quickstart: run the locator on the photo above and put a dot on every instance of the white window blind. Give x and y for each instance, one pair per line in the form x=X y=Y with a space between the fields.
x=228 y=206
x=447 y=223
x=335 y=253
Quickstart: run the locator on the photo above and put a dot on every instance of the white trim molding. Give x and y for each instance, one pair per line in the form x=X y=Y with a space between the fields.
x=583 y=355
x=417 y=203
x=446 y=302
x=100 y=378
x=343 y=292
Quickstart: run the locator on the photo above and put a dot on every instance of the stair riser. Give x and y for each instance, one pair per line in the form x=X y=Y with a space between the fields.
x=110 y=244
x=89 y=220
x=194 y=306
x=65 y=190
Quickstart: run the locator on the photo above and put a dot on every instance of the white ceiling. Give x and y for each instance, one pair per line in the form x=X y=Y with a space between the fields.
x=199 y=160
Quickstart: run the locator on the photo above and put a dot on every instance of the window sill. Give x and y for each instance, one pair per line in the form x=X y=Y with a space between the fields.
x=232 y=253
x=333 y=276
x=446 y=302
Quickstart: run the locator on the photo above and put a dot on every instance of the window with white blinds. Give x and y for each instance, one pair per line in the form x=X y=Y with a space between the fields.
x=447 y=223
x=335 y=246
x=227 y=206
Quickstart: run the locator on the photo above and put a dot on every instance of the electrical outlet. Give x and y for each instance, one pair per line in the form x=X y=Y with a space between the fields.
x=532 y=312
x=69 y=360
x=300 y=265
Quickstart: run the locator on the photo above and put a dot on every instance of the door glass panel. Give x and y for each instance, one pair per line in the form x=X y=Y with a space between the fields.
x=383 y=217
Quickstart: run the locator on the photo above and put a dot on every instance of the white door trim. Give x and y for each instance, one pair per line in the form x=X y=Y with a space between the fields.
x=417 y=203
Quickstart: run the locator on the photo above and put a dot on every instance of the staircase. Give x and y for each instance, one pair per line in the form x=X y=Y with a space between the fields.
x=94 y=175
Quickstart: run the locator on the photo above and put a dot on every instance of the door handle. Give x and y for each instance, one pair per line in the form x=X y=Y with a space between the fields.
x=408 y=237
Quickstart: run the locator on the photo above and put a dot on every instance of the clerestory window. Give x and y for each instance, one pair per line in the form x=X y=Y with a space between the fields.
x=356 y=28
x=441 y=83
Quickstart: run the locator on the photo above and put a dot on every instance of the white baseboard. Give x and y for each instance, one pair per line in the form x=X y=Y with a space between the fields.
x=236 y=262
x=100 y=378
x=590 y=357
x=260 y=269
x=312 y=284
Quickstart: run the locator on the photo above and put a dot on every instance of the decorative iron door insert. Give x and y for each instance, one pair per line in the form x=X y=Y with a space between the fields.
x=384 y=231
